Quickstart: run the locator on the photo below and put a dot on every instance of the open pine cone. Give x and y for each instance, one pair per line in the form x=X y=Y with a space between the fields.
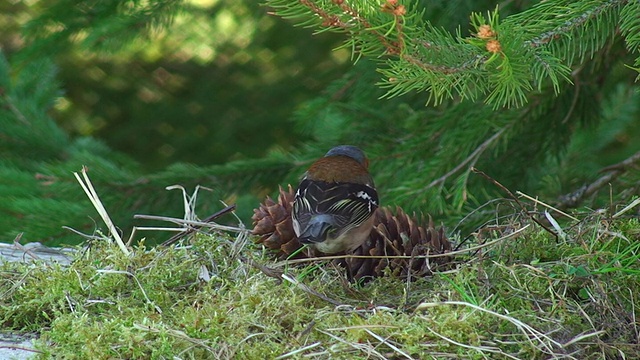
x=272 y=222
x=397 y=242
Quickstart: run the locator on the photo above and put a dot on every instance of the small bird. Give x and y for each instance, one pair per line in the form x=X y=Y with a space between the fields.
x=334 y=204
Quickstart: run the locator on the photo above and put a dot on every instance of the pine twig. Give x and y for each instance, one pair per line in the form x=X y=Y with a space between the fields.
x=569 y=26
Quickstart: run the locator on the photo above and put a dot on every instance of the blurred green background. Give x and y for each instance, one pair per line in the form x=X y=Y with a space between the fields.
x=219 y=84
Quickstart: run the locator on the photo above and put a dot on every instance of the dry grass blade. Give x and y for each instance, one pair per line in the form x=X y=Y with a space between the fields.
x=309 y=290
x=627 y=208
x=298 y=351
x=520 y=193
x=175 y=333
x=480 y=349
x=633 y=316
x=555 y=224
x=144 y=293
x=87 y=186
x=581 y=337
x=389 y=344
x=546 y=343
x=363 y=347
x=189 y=201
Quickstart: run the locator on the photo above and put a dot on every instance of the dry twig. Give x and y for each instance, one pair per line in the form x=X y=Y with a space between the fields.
x=194 y=228
x=511 y=195
x=613 y=172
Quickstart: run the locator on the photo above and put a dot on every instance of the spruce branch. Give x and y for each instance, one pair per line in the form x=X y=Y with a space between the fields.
x=8 y=102
x=614 y=171
x=575 y=18
x=349 y=19
x=472 y=158
x=503 y=63
x=630 y=27
x=96 y=25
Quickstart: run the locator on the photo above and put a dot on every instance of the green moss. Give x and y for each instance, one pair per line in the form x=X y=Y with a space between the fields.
x=529 y=296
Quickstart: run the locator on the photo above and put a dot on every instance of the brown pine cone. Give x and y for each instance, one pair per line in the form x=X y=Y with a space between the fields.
x=272 y=222
x=398 y=235
x=395 y=234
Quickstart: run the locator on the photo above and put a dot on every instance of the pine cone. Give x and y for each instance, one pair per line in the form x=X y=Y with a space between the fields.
x=398 y=235
x=394 y=235
x=272 y=222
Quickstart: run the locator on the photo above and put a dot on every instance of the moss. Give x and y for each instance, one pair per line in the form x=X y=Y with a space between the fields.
x=530 y=296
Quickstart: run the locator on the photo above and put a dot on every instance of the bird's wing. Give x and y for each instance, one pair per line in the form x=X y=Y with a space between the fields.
x=349 y=204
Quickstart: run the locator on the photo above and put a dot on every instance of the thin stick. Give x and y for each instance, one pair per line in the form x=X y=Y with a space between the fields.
x=504 y=188
x=271 y=272
x=190 y=230
x=16 y=243
x=21 y=348
x=86 y=236
x=192 y=222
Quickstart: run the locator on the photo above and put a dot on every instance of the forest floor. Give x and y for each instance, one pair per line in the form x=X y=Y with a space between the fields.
x=519 y=291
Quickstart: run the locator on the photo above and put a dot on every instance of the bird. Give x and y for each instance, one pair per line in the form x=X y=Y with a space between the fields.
x=335 y=202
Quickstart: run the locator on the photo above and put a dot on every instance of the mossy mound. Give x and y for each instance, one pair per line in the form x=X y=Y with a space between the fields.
x=527 y=296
